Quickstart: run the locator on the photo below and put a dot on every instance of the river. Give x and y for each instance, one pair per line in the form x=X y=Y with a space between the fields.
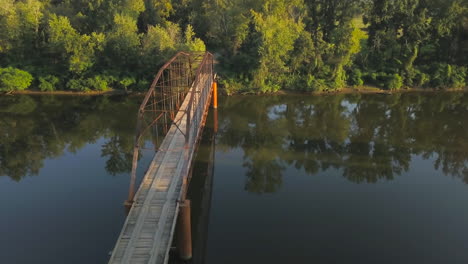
x=291 y=179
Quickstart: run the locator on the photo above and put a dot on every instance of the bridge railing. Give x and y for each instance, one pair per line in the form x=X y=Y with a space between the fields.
x=185 y=74
x=199 y=94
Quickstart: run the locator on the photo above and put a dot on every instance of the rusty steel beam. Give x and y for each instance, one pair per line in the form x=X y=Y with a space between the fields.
x=164 y=97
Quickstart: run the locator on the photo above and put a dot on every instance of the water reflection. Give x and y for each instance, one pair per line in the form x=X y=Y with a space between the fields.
x=368 y=137
x=119 y=156
x=35 y=128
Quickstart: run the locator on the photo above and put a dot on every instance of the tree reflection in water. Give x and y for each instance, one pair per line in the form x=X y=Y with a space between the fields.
x=35 y=128
x=368 y=137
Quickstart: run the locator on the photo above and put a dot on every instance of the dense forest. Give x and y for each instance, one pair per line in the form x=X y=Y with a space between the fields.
x=261 y=45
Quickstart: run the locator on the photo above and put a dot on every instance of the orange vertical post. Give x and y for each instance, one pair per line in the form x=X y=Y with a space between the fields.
x=215 y=94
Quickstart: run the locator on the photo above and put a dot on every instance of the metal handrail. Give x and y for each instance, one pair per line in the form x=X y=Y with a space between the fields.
x=206 y=64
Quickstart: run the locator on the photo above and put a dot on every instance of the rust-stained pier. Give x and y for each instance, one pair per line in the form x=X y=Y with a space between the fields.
x=180 y=95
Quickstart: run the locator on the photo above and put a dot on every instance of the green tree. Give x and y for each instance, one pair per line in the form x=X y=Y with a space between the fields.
x=192 y=43
x=8 y=18
x=122 y=44
x=77 y=51
x=156 y=13
x=12 y=79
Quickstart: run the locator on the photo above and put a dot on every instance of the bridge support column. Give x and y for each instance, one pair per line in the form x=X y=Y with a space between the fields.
x=215 y=94
x=184 y=231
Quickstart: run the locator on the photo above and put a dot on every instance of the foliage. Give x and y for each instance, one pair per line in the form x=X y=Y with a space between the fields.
x=77 y=85
x=48 y=83
x=394 y=82
x=231 y=86
x=355 y=78
x=448 y=76
x=191 y=43
x=91 y=45
x=78 y=50
x=12 y=79
x=278 y=32
x=261 y=45
x=97 y=83
x=127 y=82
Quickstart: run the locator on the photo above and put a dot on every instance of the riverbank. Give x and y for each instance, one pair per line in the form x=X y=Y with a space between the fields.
x=346 y=90
x=34 y=92
x=376 y=90
x=357 y=90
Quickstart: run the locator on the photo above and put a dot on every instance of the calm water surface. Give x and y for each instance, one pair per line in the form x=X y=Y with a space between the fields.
x=340 y=179
x=287 y=179
x=64 y=165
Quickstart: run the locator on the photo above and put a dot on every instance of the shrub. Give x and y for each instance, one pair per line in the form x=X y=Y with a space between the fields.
x=48 y=83
x=127 y=81
x=98 y=83
x=78 y=85
x=315 y=84
x=231 y=86
x=294 y=82
x=458 y=77
x=376 y=78
x=448 y=76
x=355 y=78
x=394 y=82
x=143 y=85
x=409 y=77
x=12 y=79
x=338 y=81
x=388 y=81
x=306 y=83
x=269 y=86
x=420 y=79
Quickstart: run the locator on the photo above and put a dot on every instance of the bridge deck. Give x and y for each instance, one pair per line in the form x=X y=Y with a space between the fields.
x=147 y=233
